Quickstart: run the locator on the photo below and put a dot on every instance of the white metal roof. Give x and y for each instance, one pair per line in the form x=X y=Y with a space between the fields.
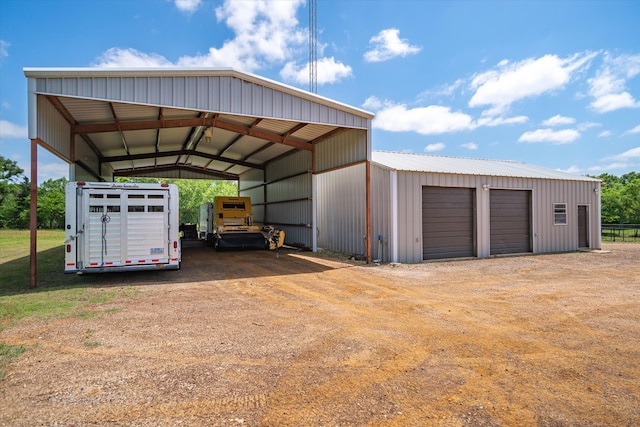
x=412 y=162
x=177 y=122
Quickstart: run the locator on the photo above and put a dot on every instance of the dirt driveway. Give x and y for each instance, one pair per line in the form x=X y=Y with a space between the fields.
x=242 y=338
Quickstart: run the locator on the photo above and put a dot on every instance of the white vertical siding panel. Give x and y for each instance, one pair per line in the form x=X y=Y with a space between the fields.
x=99 y=87
x=251 y=178
x=53 y=128
x=154 y=94
x=257 y=94
x=343 y=149
x=342 y=209
x=208 y=93
x=300 y=161
x=381 y=207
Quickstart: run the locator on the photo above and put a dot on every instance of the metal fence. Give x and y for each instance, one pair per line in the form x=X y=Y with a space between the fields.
x=620 y=232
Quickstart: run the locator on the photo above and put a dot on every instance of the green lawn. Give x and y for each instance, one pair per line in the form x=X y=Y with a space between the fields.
x=57 y=294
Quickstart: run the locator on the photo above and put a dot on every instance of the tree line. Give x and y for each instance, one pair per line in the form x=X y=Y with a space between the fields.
x=620 y=197
x=15 y=197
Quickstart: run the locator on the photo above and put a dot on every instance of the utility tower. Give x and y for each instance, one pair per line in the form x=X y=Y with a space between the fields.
x=313 y=48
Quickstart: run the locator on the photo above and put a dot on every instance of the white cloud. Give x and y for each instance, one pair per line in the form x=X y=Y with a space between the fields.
x=634 y=130
x=372 y=103
x=429 y=120
x=329 y=71
x=558 y=120
x=510 y=82
x=608 y=86
x=564 y=136
x=605 y=134
x=11 y=130
x=130 y=58
x=632 y=154
x=266 y=34
x=609 y=167
x=443 y=90
x=498 y=121
x=614 y=101
x=434 y=147
x=575 y=170
x=4 y=49
x=189 y=6
x=587 y=125
x=387 y=45
x=470 y=146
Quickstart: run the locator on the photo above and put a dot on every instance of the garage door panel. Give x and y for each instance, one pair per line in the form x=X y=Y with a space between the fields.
x=447 y=222
x=510 y=221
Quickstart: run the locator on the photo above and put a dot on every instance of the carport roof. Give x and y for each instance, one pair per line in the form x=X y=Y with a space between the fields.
x=468 y=166
x=178 y=122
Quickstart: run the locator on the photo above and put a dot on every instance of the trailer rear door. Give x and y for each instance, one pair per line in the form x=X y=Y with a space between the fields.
x=126 y=227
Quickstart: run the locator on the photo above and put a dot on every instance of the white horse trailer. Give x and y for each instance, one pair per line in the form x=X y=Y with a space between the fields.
x=112 y=226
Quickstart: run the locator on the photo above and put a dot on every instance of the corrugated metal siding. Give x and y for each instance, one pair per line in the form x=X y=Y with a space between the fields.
x=251 y=178
x=343 y=149
x=342 y=209
x=381 y=214
x=206 y=93
x=288 y=180
x=53 y=128
x=545 y=192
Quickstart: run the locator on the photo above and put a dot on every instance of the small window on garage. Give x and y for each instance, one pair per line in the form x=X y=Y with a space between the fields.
x=559 y=214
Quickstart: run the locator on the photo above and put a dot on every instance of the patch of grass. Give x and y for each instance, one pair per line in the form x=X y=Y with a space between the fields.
x=86 y=314
x=92 y=344
x=8 y=352
x=57 y=294
x=15 y=255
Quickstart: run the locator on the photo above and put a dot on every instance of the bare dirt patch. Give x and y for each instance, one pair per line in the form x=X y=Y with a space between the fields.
x=243 y=338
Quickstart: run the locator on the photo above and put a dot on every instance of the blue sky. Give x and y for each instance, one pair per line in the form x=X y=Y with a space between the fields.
x=551 y=83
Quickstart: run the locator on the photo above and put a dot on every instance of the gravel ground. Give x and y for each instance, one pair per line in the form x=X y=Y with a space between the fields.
x=243 y=338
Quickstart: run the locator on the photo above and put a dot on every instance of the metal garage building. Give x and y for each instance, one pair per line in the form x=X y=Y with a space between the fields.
x=277 y=141
x=431 y=207
x=306 y=162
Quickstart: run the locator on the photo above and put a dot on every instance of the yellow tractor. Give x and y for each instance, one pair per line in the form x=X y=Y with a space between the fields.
x=233 y=227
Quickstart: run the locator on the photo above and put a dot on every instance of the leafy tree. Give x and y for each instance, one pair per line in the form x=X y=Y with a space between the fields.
x=10 y=174
x=630 y=196
x=620 y=198
x=193 y=193
x=15 y=194
x=51 y=203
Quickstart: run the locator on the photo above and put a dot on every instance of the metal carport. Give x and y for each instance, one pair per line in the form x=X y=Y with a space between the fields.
x=196 y=124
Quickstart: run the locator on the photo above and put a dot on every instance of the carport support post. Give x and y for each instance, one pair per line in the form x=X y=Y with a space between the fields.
x=33 y=215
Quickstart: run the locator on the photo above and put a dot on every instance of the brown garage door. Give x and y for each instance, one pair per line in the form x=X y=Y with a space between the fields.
x=447 y=222
x=510 y=221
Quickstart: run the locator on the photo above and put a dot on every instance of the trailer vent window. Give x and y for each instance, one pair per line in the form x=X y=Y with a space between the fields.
x=95 y=209
x=156 y=196
x=96 y=196
x=136 y=208
x=155 y=209
x=559 y=214
x=113 y=208
x=113 y=196
x=233 y=205
x=136 y=196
